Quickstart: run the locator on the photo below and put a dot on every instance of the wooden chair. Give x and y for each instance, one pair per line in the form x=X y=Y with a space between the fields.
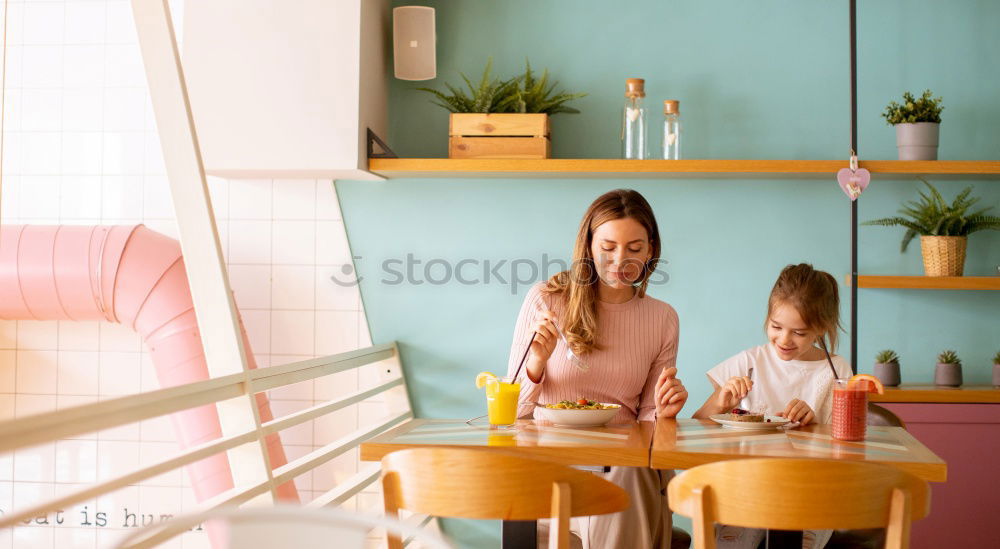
x=879 y=415
x=464 y=483
x=799 y=494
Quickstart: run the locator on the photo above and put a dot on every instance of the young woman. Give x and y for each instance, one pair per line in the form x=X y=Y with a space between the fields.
x=627 y=342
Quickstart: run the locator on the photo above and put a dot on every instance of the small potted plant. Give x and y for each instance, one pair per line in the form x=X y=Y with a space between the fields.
x=944 y=229
x=502 y=118
x=948 y=372
x=887 y=367
x=996 y=369
x=917 y=121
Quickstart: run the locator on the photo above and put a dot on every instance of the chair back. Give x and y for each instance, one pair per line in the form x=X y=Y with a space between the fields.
x=882 y=416
x=281 y=526
x=468 y=483
x=799 y=494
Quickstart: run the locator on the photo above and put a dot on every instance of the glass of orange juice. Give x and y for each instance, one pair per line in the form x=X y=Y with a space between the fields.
x=501 y=402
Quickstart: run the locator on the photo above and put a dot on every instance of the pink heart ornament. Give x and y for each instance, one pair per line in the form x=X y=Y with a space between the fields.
x=853 y=182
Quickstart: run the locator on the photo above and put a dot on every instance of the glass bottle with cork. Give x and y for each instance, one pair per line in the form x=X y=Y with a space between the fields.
x=671 y=129
x=633 y=134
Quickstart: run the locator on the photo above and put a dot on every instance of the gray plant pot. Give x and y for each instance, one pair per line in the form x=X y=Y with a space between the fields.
x=948 y=375
x=887 y=373
x=917 y=141
x=996 y=375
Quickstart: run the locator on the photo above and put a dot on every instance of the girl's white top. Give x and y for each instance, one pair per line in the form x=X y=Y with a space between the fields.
x=776 y=382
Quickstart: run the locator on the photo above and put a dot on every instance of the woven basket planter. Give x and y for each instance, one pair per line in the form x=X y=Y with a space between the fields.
x=943 y=255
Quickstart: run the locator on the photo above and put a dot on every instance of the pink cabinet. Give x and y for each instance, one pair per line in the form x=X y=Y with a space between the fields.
x=965 y=510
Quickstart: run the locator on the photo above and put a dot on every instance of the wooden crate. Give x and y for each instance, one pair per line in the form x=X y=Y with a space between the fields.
x=476 y=135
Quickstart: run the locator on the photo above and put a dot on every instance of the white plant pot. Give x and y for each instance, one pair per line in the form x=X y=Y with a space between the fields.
x=917 y=141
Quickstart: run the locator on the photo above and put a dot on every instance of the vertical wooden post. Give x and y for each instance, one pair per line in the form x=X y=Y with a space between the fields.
x=703 y=519
x=559 y=527
x=897 y=534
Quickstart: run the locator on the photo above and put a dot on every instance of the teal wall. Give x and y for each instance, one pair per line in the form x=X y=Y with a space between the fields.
x=762 y=79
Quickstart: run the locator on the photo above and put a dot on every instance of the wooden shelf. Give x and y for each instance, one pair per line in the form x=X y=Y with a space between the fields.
x=395 y=168
x=968 y=394
x=928 y=282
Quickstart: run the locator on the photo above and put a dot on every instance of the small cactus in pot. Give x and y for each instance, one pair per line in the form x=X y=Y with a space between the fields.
x=948 y=372
x=996 y=369
x=887 y=367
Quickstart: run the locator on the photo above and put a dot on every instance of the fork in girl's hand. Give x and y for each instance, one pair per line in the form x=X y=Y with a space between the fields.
x=743 y=401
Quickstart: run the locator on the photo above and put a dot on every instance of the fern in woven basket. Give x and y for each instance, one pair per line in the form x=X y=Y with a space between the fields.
x=886 y=357
x=949 y=357
x=932 y=216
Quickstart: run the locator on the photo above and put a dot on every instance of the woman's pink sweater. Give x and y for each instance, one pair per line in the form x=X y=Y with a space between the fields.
x=638 y=339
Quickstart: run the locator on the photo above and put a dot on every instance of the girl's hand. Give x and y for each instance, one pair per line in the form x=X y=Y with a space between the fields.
x=546 y=338
x=670 y=394
x=798 y=410
x=733 y=392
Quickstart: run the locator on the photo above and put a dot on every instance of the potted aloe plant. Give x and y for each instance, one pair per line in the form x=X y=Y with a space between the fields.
x=943 y=228
x=948 y=372
x=502 y=118
x=917 y=121
x=996 y=369
x=887 y=367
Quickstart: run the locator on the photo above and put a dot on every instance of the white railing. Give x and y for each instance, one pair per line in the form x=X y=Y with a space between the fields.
x=390 y=387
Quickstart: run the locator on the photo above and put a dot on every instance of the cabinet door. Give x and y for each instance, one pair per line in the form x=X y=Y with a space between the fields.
x=285 y=89
x=964 y=510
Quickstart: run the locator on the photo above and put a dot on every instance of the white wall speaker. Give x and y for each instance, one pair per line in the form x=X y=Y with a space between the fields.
x=413 y=43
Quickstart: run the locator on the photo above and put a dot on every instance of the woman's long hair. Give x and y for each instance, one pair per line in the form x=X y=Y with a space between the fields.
x=577 y=287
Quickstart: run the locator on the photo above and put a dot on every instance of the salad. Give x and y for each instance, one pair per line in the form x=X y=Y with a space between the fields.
x=581 y=404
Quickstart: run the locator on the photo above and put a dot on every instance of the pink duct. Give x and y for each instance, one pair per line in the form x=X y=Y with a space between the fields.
x=132 y=275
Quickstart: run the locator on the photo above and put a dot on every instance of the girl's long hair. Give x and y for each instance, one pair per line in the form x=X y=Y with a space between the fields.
x=814 y=295
x=577 y=287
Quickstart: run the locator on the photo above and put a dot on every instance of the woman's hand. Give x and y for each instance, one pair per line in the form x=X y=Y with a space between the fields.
x=733 y=392
x=670 y=394
x=546 y=336
x=798 y=410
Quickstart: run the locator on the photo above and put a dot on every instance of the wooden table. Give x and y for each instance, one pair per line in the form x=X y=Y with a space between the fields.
x=667 y=444
x=685 y=443
x=626 y=444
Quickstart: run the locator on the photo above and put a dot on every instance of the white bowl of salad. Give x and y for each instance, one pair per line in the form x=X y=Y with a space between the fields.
x=577 y=413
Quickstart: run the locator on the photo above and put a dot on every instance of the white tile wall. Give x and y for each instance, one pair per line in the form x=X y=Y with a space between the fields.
x=80 y=147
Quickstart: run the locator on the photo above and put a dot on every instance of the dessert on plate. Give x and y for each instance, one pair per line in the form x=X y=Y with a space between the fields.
x=739 y=414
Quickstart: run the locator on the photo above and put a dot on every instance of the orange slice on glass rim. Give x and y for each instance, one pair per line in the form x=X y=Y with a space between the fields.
x=485 y=377
x=872 y=382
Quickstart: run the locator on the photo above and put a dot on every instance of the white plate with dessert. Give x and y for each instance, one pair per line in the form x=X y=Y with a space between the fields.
x=748 y=421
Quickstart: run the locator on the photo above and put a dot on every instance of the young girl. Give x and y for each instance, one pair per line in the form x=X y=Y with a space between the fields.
x=627 y=342
x=792 y=374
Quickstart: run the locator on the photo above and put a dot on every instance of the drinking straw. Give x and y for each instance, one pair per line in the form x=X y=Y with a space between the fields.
x=822 y=343
x=525 y=355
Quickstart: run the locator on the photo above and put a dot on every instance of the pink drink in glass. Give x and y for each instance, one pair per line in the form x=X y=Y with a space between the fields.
x=850 y=410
